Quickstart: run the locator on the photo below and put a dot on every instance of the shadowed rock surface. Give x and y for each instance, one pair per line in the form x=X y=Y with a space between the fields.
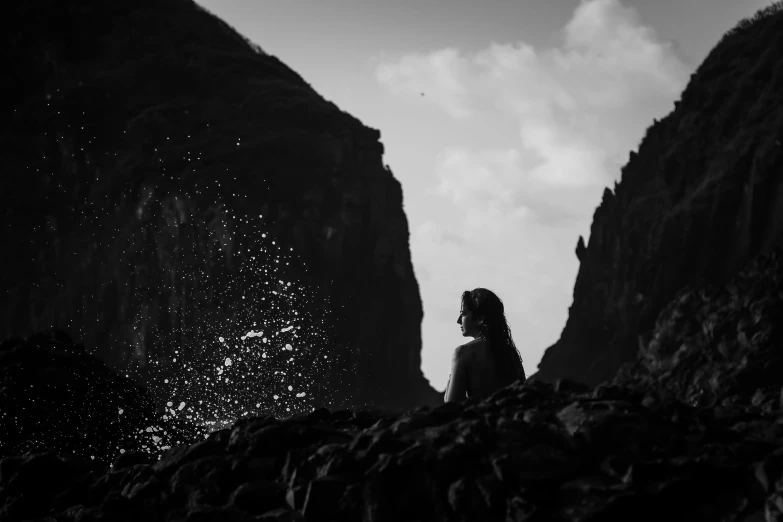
x=164 y=181
x=532 y=452
x=718 y=344
x=700 y=199
x=55 y=395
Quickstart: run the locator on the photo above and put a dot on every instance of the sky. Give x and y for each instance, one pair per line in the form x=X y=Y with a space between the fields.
x=502 y=119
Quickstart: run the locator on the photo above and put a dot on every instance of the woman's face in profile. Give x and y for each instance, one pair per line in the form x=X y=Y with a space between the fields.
x=468 y=323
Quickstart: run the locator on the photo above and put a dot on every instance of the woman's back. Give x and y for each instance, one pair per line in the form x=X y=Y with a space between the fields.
x=486 y=376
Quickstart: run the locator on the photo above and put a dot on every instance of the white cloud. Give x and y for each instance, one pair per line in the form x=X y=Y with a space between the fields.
x=616 y=59
x=574 y=105
x=441 y=74
x=480 y=183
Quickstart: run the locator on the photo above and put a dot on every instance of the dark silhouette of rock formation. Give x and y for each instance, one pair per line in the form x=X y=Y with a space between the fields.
x=533 y=451
x=164 y=180
x=698 y=201
x=56 y=396
x=580 y=249
x=718 y=344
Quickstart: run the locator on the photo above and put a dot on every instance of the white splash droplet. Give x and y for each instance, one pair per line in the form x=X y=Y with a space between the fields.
x=251 y=333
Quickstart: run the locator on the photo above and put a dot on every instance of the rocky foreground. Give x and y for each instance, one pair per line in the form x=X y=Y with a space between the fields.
x=532 y=452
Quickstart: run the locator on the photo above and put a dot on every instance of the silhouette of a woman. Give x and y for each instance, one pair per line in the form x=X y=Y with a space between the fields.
x=490 y=361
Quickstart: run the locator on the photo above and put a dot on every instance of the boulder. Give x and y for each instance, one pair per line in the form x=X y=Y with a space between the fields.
x=57 y=397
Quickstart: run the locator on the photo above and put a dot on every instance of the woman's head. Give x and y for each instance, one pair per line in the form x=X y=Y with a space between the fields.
x=482 y=315
x=481 y=312
x=471 y=318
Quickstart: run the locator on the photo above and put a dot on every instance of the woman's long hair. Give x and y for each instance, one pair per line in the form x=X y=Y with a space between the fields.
x=487 y=306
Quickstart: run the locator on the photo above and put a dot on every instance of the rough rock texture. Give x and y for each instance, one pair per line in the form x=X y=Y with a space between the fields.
x=163 y=182
x=55 y=395
x=700 y=199
x=532 y=452
x=718 y=344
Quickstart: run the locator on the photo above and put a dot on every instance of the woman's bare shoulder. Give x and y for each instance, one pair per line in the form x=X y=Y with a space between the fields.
x=473 y=348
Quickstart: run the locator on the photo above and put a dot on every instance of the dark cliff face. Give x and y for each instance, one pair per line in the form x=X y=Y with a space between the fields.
x=700 y=199
x=169 y=187
x=717 y=344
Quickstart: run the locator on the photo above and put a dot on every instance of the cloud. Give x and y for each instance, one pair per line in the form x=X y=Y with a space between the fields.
x=479 y=183
x=430 y=240
x=577 y=108
x=441 y=74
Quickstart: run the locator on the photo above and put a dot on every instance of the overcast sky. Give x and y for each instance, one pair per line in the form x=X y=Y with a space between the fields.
x=503 y=120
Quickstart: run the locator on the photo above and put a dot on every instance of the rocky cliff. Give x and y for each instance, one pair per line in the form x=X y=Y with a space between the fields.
x=698 y=201
x=198 y=216
x=717 y=344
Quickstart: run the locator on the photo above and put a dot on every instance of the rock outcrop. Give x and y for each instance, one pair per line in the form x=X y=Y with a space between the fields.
x=176 y=198
x=718 y=344
x=531 y=452
x=699 y=200
x=56 y=396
